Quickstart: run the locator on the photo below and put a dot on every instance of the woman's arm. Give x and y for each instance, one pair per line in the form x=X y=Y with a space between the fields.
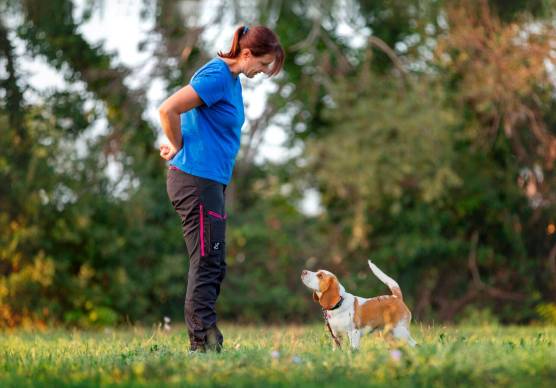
x=183 y=100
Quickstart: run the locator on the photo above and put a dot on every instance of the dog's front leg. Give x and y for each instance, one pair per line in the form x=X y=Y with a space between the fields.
x=337 y=341
x=354 y=338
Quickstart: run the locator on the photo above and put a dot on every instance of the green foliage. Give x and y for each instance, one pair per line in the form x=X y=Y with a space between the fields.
x=404 y=185
x=477 y=317
x=547 y=312
x=73 y=248
x=391 y=139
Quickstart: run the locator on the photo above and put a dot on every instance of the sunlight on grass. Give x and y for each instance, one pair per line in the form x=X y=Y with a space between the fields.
x=279 y=356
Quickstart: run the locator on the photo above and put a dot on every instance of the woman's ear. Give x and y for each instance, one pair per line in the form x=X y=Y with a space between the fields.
x=246 y=53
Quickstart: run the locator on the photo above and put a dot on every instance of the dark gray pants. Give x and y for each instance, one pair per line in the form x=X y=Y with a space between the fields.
x=200 y=204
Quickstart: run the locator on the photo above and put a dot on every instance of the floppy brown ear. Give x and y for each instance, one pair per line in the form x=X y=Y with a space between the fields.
x=315 y=297
x=331 y=295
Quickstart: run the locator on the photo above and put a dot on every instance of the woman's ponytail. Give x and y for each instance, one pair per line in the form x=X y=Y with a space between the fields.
x=236 y=48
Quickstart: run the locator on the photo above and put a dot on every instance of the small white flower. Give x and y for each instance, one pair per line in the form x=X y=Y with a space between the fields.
x=296 y=360
x=395 y=355
x=166 y=324
x=275 y=354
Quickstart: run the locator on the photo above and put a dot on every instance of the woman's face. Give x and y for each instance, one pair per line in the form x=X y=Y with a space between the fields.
x=253 y=65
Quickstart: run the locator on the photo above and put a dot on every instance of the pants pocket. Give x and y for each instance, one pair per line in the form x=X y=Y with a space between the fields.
x=213 y=233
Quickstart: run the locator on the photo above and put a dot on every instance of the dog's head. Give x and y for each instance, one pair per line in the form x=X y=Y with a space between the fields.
x=327 y=290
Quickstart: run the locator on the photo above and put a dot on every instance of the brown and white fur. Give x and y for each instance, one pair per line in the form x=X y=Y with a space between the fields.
x=356 y=315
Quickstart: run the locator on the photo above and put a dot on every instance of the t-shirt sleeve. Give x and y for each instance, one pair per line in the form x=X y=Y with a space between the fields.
x=209 y=84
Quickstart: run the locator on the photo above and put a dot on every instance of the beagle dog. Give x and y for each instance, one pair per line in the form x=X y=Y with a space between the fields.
x=355 y=316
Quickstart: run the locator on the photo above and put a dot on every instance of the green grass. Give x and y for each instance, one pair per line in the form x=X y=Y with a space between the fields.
x=279 y=356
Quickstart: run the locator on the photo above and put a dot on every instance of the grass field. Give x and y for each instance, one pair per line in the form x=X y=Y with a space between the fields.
x=280 y=356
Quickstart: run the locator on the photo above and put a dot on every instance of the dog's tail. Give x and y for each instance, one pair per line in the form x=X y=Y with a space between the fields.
x=391 y=283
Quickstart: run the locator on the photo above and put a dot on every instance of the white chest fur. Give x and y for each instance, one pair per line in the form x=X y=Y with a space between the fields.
x=341 y=319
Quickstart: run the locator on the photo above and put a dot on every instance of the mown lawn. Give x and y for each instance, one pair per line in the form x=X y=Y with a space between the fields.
x=280 y=356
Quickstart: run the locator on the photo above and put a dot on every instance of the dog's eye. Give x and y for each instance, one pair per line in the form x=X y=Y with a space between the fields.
x=319 y=275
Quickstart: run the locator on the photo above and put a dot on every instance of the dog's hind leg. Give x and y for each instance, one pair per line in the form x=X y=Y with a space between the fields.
x=401 y=332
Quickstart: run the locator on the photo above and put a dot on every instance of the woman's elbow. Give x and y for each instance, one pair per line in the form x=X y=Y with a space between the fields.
x=167 y=109
x=163 y=110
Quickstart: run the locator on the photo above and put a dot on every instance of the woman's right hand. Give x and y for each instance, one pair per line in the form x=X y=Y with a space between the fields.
x=167 y=151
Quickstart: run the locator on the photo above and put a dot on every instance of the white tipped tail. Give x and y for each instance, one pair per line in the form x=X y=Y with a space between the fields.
x=391 y=283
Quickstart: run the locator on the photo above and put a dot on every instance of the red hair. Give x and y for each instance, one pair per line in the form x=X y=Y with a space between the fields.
x=261 y=41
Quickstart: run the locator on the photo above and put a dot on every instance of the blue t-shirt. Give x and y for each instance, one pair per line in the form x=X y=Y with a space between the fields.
x=211 y=132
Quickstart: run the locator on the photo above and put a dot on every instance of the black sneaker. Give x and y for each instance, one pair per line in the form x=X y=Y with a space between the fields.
x=214 y=339
x=197 y=348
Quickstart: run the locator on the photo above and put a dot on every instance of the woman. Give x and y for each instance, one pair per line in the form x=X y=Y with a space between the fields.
x=202 y=155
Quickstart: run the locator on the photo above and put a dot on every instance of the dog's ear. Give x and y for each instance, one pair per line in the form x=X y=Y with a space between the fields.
x=315 y=297
x=331 y=295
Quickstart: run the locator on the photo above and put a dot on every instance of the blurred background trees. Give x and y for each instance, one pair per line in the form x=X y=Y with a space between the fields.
x=425 y=128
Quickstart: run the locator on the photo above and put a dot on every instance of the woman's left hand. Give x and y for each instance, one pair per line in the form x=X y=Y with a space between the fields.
x=167 y=151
